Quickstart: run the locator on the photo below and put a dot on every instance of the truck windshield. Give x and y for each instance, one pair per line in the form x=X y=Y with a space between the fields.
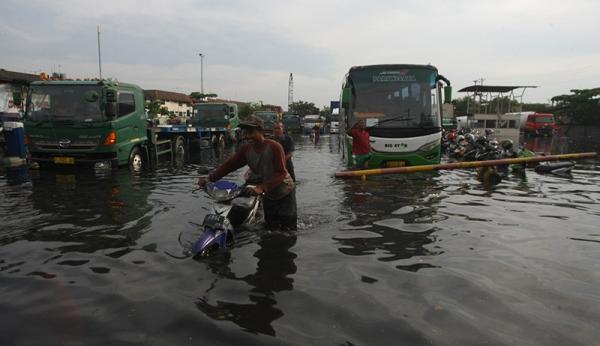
x=267 y=116
x=64 y=103
x=212 y=111
x=402 y=98
x=544 y=119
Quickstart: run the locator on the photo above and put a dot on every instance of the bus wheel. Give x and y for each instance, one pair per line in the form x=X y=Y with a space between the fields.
x=136 y=161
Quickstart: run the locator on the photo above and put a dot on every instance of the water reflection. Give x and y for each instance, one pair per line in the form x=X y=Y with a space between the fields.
x=547 y=145
x=274 y=267
x=408 y=206
x=84 y=211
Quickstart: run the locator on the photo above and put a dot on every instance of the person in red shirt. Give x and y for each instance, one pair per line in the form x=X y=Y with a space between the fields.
x=361 y=147
x=266 y=160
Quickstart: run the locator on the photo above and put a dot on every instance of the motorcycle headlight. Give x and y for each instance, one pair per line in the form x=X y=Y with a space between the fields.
x=216 y=222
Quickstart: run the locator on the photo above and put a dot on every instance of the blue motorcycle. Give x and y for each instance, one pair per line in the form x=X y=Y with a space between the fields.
x=235 y=208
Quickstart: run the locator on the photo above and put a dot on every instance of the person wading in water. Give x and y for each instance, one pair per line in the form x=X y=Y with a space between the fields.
x=361 y=147
x=266 y=160
x=288 y=147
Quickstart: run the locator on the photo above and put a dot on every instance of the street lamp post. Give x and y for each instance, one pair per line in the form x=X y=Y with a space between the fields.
x=201 y=73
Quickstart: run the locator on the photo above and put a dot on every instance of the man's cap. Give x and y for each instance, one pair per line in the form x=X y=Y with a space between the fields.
x=252 y=121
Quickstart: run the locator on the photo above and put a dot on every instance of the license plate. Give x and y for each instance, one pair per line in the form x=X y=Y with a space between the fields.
x=391 y=164
x=64 y=160
x=65 y=178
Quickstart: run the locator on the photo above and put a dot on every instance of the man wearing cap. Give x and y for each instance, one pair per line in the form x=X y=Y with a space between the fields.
x=266 y=160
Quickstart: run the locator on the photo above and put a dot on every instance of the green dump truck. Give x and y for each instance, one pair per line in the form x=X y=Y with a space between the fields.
x=99 y=123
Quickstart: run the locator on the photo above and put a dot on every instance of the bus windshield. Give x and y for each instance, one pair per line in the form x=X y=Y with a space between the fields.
x=398 y=98
x=64 y=103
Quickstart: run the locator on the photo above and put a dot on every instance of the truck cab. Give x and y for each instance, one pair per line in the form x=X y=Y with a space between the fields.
x=219 y=115
x=292 y=123
x=539 y=124
x=269 y=118
x=97 y=123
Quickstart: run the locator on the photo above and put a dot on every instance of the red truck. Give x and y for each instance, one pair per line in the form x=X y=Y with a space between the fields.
x=538 y=123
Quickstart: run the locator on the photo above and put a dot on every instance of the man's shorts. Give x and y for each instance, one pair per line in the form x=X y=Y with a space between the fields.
x=360 y=160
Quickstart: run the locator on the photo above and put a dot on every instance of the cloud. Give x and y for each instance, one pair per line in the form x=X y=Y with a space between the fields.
x=251 y=47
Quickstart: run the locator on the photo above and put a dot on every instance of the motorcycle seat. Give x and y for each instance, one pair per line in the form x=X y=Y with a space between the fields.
x=243 y=202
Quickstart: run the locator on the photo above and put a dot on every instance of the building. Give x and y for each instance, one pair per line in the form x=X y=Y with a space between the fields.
x=178 y=103
x=10 y=83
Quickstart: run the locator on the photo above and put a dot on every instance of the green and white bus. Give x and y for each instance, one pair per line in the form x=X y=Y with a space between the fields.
x=402 y=107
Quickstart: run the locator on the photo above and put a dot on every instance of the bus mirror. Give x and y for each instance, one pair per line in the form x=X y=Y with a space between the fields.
x=447 y=94
x=111 y=95
x=346 y=93
x=17 y=98
x=91 y=96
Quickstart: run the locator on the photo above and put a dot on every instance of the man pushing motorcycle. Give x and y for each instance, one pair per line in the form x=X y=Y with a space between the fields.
x=266 y=160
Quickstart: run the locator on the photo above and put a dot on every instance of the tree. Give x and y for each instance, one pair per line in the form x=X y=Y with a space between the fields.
x=465 y=105
x=326 y=112
x=537 y=107
x=197 y=96
x=247 y=109
x=582 y=107
x=153 y=108
x=303 y=108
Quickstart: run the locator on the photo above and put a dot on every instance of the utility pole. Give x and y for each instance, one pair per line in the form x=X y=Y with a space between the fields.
x=202 y=74
x=290 y=93
x=99 y=55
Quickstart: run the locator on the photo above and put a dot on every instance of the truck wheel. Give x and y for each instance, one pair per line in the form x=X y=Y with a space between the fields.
x=136 y=160
x=179 y=150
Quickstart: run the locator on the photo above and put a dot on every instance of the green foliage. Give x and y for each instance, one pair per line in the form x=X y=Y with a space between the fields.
x=326 y=112
x=582 y=107
x=154 y=108
x=470 y=105
x=464 y=105
x=303 y=108
x=247 y=109
x=537 y=107
x=197 y=96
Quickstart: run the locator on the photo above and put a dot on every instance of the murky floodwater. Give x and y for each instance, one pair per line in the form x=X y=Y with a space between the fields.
x=430 y=258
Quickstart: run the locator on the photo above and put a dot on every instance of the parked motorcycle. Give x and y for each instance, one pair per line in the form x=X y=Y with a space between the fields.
x=235 y=208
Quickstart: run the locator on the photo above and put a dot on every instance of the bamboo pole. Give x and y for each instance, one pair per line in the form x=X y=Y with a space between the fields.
x=468 y=164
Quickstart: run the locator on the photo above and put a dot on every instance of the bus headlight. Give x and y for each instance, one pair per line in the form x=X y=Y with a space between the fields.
x=429 y=146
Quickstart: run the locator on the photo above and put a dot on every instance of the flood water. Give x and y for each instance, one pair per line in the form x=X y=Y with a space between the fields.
x=434 y=258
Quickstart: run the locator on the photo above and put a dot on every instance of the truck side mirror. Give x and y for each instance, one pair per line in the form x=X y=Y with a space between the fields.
x=111 y=95
x=17 y=98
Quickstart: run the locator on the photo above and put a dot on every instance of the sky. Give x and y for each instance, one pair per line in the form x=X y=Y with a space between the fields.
x=251 y=47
